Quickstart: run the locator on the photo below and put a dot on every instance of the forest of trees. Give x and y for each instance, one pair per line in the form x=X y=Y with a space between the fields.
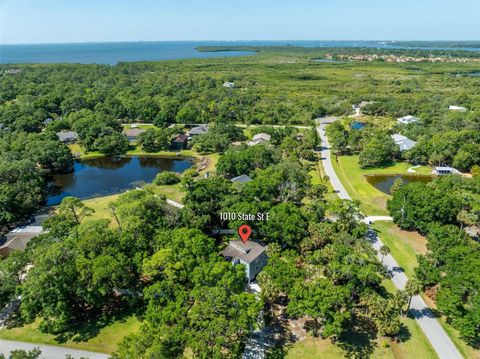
x=441 y=210
x=164 y=262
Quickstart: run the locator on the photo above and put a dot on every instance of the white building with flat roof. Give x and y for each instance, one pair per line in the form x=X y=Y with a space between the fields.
x=457 y=108
x=445 y=171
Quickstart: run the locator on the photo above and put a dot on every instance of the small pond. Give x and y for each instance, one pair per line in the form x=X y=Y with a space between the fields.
x=326 y=60
x=356 y=125
x=384 y=182
x=108 y=175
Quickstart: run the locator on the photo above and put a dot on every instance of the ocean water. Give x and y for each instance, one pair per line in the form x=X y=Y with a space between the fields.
x=114 y=52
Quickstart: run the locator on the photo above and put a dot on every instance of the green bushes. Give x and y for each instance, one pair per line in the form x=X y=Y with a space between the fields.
x=166 y=178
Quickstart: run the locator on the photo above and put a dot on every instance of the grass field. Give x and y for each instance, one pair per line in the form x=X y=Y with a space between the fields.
x=105 y=340
x=414 y=345
x=404 y=245
x=373 y=202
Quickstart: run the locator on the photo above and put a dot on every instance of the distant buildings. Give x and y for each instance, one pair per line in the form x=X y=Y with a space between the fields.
x=403 y=142
x=229 y=85
x=180 y=142
x=133 y=133
x=407 y=120
x=67 y=136
x=259 y=138
x=197 y=131
x=12 y=71
x=457 y=108
x=444 y=171
x=252 y=254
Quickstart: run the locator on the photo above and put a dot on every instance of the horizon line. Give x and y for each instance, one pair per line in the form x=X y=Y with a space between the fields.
x=251 y=40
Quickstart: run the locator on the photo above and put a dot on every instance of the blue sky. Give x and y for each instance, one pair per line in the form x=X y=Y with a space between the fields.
x=51 y=21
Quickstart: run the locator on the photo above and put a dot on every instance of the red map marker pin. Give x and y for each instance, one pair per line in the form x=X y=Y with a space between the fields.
x=244 y=231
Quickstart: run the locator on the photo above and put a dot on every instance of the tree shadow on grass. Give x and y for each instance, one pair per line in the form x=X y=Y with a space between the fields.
x=360 y=341
x=89 y=326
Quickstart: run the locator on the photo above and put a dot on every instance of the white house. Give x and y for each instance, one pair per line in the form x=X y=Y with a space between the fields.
x=252 y=254
x=405 y=120
x=403 y=142
x=259 y=138
x=444 y=171
x=229 y=85
x=457 y=108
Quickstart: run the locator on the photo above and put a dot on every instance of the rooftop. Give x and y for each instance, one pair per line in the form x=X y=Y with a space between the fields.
x=403 y=142
x=133 y=132
x=247 y=252
x=180 y=138
x=67 y=136
x=200 y=130
x=241 y=179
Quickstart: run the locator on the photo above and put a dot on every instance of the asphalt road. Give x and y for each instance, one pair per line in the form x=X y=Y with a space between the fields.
x=432 y=329
x=48 y=351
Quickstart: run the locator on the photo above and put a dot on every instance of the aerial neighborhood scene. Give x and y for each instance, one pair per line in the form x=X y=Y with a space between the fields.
x=180 y=180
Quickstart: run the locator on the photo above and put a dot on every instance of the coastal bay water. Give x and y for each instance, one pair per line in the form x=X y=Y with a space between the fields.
x=114 y=52
x=108 y=175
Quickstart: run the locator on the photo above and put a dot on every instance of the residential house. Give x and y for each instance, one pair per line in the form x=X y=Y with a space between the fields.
x=67 y=136
x=240 y=180
x=444 y=171
x=229 y=85
x=259 y=138
x=457 y=108
x=18 y=238
x=403 y=142
x=197 y=131
x=133 y=133
x=180 y=142
x=47 y=121
x=407 y=120
x=252 y=254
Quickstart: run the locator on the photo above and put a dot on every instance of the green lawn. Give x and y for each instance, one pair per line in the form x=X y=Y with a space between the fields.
x=373 y=202
x=105 y=341
x=173 y=192
x=404 y=245
x=139 y=126
x=413 y=345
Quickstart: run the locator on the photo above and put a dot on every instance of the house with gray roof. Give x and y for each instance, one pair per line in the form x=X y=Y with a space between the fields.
x=251 y=254
x=403 y=142
x=259 y=138
x=405 y=120
x=197 y=131
x=133 y=133
x=241 y=179
x=67 y=136
x=18 y=238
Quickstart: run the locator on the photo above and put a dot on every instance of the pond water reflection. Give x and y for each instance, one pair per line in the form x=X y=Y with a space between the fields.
x=109 y=175
x=385 y=182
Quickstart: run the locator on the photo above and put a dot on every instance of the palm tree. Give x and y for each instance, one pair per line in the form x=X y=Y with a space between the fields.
x=412 y=288
x=384 y=250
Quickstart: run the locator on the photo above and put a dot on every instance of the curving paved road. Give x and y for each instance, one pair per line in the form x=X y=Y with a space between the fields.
x=425 y=318
x=48 y=351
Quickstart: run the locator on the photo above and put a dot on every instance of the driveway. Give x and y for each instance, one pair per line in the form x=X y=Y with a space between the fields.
x=425 y=318
x=48 y=351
